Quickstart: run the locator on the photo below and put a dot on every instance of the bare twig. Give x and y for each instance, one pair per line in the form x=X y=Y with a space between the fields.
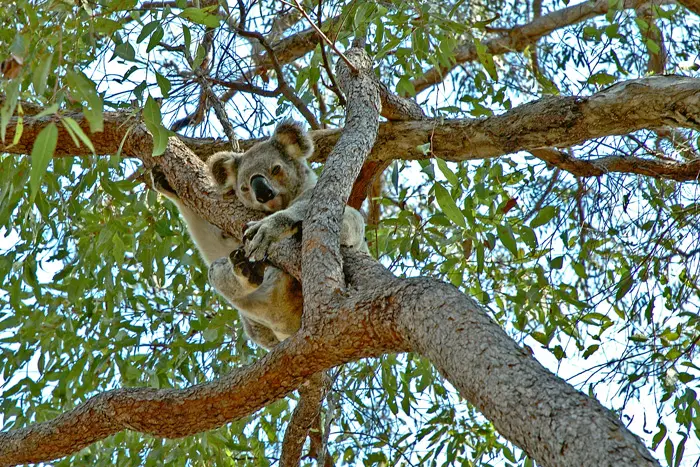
x=282 y=85
x=326 y=63
x=298 y=6
x=324 y=457
x=218 y=107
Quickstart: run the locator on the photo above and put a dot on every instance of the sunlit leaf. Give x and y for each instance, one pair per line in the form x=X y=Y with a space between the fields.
x=448 y=205
x=42 y=152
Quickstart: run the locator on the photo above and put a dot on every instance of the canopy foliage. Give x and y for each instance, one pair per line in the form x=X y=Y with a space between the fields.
x=102 y=287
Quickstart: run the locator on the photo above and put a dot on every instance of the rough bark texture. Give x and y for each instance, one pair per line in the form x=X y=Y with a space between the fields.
x=554 y=122
x=378 y=313
x=305 y=415
x=691 y=5
x=558 y=426
x=322 y=268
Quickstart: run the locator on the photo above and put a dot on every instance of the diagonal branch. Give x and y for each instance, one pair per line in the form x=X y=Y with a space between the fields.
x=322 y=268
x=520 y=37
x=654 y=103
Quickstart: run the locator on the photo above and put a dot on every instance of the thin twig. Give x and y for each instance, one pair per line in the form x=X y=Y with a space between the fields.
x=282 y=85
x=326 y=63
x=220 y=113
x=298 y=6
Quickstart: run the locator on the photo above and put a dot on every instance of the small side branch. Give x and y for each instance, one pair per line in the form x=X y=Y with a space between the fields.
x=347 y=61
x=305 y=416
x=220 y=112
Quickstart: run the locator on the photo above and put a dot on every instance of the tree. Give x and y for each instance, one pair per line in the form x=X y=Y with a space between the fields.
x=557 y=224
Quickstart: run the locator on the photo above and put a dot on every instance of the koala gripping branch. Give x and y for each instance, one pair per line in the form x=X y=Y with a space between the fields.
x=322 y=269
x=555 y=424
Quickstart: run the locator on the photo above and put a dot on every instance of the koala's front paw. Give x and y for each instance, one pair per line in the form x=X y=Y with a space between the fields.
x=161 y=184
x=252 y=271
x=259 y=235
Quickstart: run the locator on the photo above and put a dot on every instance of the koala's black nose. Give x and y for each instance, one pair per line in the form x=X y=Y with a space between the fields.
x=263 y=191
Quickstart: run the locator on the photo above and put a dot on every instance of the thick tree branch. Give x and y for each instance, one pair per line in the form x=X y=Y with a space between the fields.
x=547 y=426
x=518 y=38
x=655 y=102
x=322 y=267
x=541 y=413
x=691 y=5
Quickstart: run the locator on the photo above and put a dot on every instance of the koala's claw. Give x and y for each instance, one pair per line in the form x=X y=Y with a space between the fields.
x=160 y=183
x=259 y=237
x=251 y=270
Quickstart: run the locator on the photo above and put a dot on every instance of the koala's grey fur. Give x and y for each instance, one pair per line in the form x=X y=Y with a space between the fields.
x=274 y=177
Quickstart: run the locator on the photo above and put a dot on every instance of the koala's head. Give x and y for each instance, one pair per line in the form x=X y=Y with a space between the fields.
x=271 y=174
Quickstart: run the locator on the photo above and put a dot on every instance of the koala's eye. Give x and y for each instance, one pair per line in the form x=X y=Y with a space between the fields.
x=276 y=169
x=245 y=189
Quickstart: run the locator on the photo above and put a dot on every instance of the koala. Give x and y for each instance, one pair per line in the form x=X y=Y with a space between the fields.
x=272 y=177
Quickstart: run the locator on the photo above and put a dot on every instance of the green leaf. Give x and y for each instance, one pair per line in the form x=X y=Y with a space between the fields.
x=125 y=51
x=556 y=263
x=505 y=234
x=84 y=88
x=147 y=30
x=624 y=286
x=75 y=128
x=653 y=46
x=50 y=110
x=41 y=74
x=543 y=216
x=528 y=236
x=199 y=16
x=362 y=14
x=19 y=129
x=448 y=205
x=199 y=56
x=42 y=152
x=155 y=39
x=479 y=257
x=11 y=91
x=106 y=26
x=449 y=174
x=486 y=60
x=163 y=84
x=602 y=78
x=668 y=451
x=152 y=119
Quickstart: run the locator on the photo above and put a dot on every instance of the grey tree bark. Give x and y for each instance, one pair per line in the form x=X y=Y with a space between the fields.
x=364 y=311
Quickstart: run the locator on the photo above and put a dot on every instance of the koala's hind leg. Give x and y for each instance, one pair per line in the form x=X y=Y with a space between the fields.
x=239 y=281
x=352 y=232
x=260 y=334
x=235 y=277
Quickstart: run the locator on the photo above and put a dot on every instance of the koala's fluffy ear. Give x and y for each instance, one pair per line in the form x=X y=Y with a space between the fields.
x=294 y=139
x=223 y=167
